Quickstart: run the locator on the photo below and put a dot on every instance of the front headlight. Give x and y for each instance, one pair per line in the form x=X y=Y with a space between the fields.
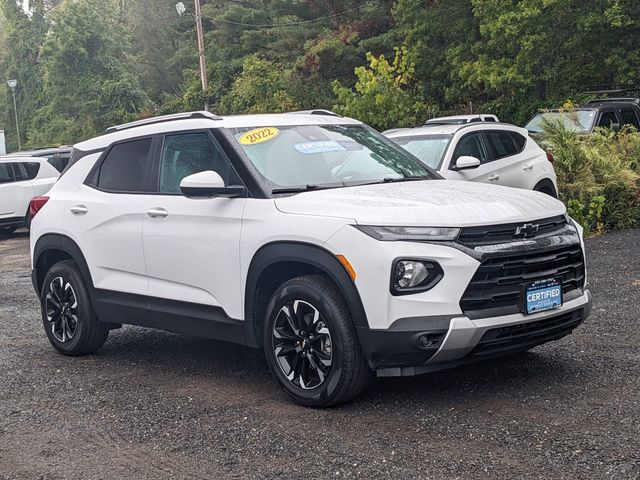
x=410 y=234
x=413 y=276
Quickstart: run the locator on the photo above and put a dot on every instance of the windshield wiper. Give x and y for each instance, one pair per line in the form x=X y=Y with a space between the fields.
x=304 y=188
x=404 y=179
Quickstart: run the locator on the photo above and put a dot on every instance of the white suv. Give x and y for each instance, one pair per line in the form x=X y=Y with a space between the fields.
x=496 y=153
x=306 y=234
x=21 y=180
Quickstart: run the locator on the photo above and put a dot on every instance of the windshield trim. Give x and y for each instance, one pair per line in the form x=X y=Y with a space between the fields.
x=266 y=189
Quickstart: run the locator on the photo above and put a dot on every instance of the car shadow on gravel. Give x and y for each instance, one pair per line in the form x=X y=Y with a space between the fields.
x=209 y=364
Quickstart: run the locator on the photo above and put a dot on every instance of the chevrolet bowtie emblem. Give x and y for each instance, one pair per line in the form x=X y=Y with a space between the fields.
x=527 y=230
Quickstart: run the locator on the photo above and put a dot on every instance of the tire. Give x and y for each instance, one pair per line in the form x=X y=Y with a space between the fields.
x=72 y=330
x=7 y=230
x=324 y=366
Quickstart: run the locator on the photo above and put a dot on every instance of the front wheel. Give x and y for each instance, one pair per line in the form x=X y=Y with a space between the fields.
x=67 y=316
x=311 y=344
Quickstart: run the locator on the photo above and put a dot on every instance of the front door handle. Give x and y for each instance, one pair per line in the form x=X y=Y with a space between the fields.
x=494 y=178
x=527 y=166
x=157 y=212
x=79 y=209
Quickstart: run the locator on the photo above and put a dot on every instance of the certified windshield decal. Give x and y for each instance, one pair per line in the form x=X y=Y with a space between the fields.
x=319 y=147
x=258 y=135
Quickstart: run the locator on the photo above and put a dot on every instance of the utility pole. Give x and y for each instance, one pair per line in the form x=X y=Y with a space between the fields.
x=181 y=9
x=12 y=85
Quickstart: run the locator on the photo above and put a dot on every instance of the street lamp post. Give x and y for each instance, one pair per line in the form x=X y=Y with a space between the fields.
x=12 y=85
x=181 y=9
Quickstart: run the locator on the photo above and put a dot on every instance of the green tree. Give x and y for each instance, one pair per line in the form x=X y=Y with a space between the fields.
x=89 y=84
x=385 y=94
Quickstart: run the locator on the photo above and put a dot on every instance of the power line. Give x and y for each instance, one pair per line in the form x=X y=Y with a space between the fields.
x=293 y=24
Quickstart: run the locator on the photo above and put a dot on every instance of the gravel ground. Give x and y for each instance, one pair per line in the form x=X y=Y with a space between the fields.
x=158 y=405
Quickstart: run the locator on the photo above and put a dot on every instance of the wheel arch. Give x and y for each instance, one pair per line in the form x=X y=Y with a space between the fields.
x=546 y=186
x=275 y=263
x=52 y=248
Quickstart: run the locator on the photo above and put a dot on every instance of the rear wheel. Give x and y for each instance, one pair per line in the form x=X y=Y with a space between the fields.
x=7 y=230
x=67 y=316
x=311 y=344
x=546 y=187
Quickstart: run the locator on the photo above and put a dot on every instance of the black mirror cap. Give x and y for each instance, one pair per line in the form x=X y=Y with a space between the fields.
x=207 y=192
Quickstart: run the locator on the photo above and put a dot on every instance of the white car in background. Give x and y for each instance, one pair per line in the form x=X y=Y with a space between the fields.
x=462 y=119
x=495 y=153
x=21 y=180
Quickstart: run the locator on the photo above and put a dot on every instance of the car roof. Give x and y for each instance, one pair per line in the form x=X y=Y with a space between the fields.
x=450 y=129
x=472 y=116
x=207 y=120
x=21 y=158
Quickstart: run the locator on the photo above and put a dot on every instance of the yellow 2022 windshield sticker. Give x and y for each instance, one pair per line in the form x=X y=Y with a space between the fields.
x=258 y=135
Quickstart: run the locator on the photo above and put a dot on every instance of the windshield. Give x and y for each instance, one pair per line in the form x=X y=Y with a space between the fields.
x=428 y=148
x=579 y=121
x=326 y=156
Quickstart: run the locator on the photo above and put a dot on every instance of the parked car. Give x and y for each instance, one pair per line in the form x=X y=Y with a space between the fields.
x=605 y=112
x=21 y=180
x=56 y=156
x=496 y=153
x=308 y=235
x=462 y=119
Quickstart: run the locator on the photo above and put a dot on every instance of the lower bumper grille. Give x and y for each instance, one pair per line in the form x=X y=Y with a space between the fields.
x=513 y=338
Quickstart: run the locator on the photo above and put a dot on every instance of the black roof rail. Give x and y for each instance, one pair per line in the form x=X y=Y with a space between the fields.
x=613 y=100
x=318 y=111
x=162 y=119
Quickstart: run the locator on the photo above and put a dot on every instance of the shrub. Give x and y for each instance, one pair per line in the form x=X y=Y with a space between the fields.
x=598 y=176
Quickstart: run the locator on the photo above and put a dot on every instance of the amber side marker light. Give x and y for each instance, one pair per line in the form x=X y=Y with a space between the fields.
x=345 y=263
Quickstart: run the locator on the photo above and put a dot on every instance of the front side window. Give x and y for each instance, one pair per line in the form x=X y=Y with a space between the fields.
x=126 y=167
x=328 y=156
x=186 y=154
x=6 y=173
x=428 y=148
x=470 y=146
x=607 y=119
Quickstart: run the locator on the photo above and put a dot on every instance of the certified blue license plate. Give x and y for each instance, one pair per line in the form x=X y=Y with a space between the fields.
x=543 y=295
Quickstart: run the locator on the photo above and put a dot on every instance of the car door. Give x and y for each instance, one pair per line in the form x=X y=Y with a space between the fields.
x=104 y=216
x=607 y=119
x=21 y=190
x=511 y=162
x=192 y=246
x=471 y=144
x=10 y=200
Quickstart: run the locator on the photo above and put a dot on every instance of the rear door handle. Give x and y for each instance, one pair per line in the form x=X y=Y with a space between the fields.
x=527 y=166
x=79 y=209
x=494 y=178
x=157 y=212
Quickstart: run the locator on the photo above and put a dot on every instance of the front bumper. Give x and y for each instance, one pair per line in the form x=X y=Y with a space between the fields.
x=419 y=345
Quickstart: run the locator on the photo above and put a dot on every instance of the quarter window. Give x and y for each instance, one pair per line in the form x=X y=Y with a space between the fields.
x=32 y=169
x=470 y=146
x=6 y=173
x=126 y=167
x=629 y=117
x=186 y=154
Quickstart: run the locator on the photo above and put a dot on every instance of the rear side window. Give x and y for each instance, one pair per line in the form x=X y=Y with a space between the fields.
x=6 y=173
x=502 y=144
x=126 y=168
x=629 y=117
x=19 y=172
x=32 y=169
x=186 y=154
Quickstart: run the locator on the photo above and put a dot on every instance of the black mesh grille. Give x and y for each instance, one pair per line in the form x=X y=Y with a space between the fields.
x=472 y=236
x=499 y=282
x=499 y=341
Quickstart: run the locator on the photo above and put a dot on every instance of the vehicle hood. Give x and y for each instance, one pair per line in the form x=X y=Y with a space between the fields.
x=441 y=203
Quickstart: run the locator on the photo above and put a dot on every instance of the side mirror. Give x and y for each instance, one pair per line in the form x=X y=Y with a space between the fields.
x=208 y=184
x=616 y=127
x=466 y=163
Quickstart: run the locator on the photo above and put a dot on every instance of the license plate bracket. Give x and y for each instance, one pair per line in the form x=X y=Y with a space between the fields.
x=542 y=295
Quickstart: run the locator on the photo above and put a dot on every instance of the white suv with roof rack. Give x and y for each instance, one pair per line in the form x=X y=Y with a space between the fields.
x=308 y=235
x=496 y=153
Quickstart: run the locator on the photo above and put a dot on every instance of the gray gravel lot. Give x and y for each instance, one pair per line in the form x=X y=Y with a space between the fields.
x=158 y=405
